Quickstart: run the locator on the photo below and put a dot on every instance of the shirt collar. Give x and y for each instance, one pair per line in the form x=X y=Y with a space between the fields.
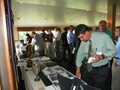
x=92 y=36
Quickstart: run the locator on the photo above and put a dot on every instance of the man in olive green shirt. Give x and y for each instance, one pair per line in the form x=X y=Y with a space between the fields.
x=102 y=43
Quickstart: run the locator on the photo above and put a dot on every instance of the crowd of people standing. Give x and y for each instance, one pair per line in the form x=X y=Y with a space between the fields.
x=76 y=45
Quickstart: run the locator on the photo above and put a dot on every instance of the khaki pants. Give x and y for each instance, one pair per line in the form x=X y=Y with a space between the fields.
x=50 y=50
x=115 y=76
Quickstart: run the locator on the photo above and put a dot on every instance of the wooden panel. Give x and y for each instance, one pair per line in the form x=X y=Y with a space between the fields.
x=111 y=16
x=34 y=28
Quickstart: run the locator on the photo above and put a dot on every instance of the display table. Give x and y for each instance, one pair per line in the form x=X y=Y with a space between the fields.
x=30 y=84
x=48 y=74
x=28 y=76
x=49 y=88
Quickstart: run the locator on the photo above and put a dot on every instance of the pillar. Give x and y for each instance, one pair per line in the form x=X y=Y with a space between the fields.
x=111 y=15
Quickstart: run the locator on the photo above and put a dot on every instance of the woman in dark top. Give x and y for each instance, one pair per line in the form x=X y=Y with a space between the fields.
x=28 y=39
x=49 y=46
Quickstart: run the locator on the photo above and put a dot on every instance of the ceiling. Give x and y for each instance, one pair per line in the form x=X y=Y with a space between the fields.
x=95 y=7
x=89 y=5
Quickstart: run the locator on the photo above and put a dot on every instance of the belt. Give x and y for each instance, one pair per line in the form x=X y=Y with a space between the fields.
x=102 y=66
x=116 y=58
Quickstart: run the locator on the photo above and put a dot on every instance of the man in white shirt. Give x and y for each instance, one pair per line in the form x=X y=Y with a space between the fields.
x=22 y=49
x=56 y=40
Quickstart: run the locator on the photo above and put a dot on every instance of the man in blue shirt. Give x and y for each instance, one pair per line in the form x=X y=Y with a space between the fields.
x=71 y=41
x=116 y=63
x=65 y=46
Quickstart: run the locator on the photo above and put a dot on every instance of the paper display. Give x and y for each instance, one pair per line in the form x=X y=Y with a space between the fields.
x=99 y=53
x=92 y=58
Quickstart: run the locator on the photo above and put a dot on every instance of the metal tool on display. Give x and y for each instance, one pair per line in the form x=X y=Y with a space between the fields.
x=29 y=62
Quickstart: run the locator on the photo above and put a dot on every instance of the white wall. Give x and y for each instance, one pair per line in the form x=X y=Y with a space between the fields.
x=43 y=15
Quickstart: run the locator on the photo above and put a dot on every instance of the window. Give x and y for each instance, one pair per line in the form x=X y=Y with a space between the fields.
x=22 y=34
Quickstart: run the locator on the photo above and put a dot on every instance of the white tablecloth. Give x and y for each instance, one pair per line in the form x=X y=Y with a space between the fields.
x=30 y=84
x=29 y=76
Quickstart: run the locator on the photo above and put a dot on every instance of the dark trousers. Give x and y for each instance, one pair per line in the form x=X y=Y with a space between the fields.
x=109 y=77
x=57 y=50
x=71 y=56
x=42 y=53
x=65 y=48
x=96 y=77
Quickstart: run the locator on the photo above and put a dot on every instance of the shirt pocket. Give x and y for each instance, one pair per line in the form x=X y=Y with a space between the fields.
x=86 y=51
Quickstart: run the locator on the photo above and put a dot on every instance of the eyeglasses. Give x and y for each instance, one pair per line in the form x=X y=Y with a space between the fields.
x=81 y=36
